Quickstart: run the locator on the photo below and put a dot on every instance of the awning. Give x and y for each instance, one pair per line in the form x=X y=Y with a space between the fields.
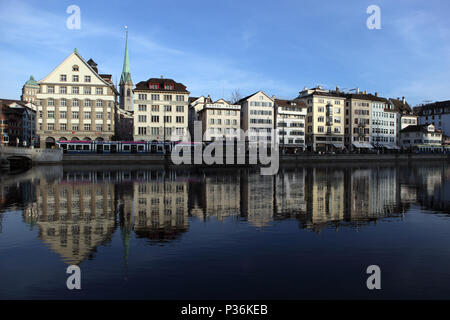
x=389 y=146
x=338 y=145
x=362 y=145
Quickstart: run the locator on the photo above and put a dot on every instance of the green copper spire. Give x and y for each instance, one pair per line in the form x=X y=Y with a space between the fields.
x=126 y=62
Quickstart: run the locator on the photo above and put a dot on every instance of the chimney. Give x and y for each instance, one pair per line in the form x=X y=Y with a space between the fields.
x=403 y=100
x=337 y=89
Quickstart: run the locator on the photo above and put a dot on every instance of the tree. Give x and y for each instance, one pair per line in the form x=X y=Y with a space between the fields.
x=235 y=96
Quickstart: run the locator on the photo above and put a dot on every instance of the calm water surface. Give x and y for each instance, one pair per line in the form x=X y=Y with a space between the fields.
x=150 y=233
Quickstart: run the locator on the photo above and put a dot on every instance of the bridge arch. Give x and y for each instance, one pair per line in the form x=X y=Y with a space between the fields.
x=86 y=139
x=63 y=139
x=99 y=139
x=75 y=139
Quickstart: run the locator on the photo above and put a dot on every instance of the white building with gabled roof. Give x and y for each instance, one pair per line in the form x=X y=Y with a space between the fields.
x=74 y=102
x=258 y=117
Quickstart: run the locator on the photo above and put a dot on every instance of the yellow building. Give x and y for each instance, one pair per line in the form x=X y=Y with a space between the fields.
x=325 y=119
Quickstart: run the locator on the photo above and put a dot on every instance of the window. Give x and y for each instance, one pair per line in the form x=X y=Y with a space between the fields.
x=167 y=97
x=180 y=98
x=87 y=78
x=75 y=90
x=63 y=114
x=74 y=127
x=142 y=96
x=98 y=127
x=98 y=91
x=99 y=103
x=50 y=89
x=51 y=102
x=153 y=86
x=87 y=115
x=98 y=115
x=75 y=78
x=87 y=90
x=180 y=108
x=63 y=102
x=87 y=103
x=75 y=103
x=168 y=119
x=63 y=90
x=180 y=119
x=168 y=86
x=63 y=126
x=155 y=108
x=142 y=107
x=155 y=97
x=63 y=78
x=155 y=131
x=51 y=126
x=50 y=114
x=155 y=118
x=75 y=68
x=142 y=118
x=87 y=127
x=75 y=114
x=167 y=108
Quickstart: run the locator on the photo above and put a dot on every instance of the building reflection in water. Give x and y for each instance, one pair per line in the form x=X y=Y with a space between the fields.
x=77 y=209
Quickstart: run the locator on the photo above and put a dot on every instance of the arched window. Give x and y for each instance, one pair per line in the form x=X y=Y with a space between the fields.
x=128 y=92
x=75 y=68
x=99 y=103
x=75 y=103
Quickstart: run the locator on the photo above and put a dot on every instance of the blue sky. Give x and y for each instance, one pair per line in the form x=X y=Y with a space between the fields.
x=219 y=46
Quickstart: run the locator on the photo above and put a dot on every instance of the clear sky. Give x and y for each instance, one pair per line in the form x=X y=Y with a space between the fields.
x=222 y=45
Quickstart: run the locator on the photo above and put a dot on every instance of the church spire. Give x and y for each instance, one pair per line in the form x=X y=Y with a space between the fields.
x=126 y=62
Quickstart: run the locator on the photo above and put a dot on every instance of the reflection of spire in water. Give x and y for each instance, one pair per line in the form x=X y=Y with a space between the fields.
x=125 y=232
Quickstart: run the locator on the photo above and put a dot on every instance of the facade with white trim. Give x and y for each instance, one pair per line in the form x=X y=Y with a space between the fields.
x=74 y=102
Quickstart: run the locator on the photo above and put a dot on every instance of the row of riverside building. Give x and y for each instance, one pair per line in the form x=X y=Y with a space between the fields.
x=76 y=102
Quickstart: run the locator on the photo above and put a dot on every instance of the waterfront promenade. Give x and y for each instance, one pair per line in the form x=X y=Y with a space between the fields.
x=299 y=158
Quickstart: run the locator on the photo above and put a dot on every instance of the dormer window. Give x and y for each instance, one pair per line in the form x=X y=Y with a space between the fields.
x=153 y=86
x=75 y=68
x=168 y=86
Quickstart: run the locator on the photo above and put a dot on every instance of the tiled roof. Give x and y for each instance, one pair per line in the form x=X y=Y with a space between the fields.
x=251 y=95
x=400 y=107
x=8 y=102
x=432 y=106
x=177 y=87
x=287 y=103
x=415 y=128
